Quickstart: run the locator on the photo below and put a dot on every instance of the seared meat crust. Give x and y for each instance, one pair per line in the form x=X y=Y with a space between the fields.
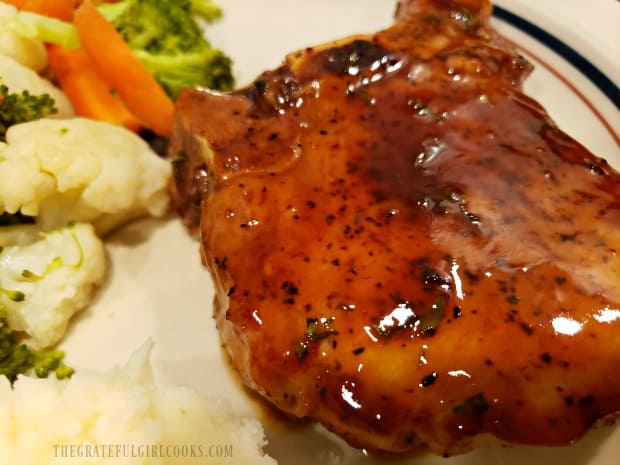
x=405 y=247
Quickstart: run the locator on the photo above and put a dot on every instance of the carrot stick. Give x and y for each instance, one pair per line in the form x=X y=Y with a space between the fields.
x=16 y=3
x=59 y=9
x=116 y=64
x=90 y=95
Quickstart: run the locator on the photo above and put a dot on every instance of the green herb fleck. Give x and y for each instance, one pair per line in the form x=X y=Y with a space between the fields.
x=474 y=406
x=424 y=325
x=314 y=330
x=301 y=350
x=317 y=329
x=430 y=321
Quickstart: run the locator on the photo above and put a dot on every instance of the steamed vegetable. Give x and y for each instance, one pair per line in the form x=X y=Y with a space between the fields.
x=167 y=40
x=144 y=51
x=116 y=63
x=82 y=170
x=17 y=358
x=61 y=9
x=19 y=78
x=91 y=95
x=29 y=52
x=22 y=107
x=45 y=28
x=43 y=284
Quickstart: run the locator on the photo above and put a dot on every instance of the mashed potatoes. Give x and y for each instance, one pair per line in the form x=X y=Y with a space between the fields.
x=122 y=411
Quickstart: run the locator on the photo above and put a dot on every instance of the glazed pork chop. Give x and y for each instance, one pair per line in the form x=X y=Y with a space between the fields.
x=405 y=247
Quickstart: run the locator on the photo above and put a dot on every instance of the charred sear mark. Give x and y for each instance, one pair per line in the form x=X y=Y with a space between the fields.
x=289 y=288
x=456 y=312
x=274 y=93
x=352 y=58
x=595 y=168
x=568 y=237
x=513 y=316
x=428 y=380
x=586 y=400
x=432 y=278
x=221 y=263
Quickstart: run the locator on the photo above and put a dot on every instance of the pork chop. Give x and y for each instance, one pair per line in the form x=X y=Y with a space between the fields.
x=405 y=247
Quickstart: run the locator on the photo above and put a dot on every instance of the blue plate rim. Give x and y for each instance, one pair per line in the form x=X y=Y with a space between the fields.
x=581 y=63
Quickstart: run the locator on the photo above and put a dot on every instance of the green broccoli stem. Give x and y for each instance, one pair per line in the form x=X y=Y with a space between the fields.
x=44 y=28
x=205 y=9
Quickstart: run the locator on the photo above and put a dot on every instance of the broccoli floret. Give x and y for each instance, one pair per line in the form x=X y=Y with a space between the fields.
x=22 y=107
x=206 y=68
x=17 y=358
x=205 y=9
x=166 y=38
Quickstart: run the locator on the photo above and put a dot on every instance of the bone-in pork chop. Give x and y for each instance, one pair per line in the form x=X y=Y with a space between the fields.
x=405 y=247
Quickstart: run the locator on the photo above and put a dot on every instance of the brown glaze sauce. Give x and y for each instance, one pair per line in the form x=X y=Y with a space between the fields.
x=414 y=254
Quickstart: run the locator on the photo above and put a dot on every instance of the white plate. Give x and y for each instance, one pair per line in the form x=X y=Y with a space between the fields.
x=157 y=287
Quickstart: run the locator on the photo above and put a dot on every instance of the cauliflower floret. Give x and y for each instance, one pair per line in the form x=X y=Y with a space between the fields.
x=22 y=234
x=45 y=283
x=81 y=170
x=41 y=418
x=29 y=52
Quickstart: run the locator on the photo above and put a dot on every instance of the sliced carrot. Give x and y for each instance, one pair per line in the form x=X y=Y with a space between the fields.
x=16 y=3
x=116 y=64
x=90 y=95
x=59 y=9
